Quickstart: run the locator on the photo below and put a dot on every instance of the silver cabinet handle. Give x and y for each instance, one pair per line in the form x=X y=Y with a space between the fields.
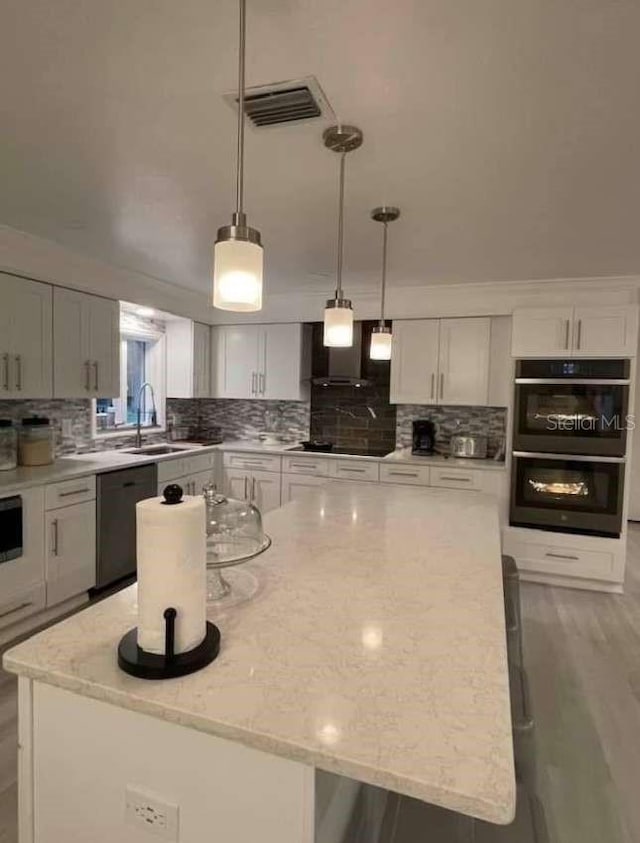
x=5 y=375
x=563 y=556
x=303 y=465
x=54 y=537
x=254 y=380
x=352 y=470
x=74 y=492
x=441 y=385
x=87 y=375
x=253 y=489
x=15 y=609
x=246 y=487
x=262 y=380
x=95 y=375
x=18 y=359
x=433 y=382
x=579 y=337
x=566 y=335
x=457 y=479
x=403 y=474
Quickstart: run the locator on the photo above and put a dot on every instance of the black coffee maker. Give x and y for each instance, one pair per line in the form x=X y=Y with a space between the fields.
x=424 y=437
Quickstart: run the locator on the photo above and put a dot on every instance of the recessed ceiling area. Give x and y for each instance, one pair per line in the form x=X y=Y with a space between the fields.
x=508 y=134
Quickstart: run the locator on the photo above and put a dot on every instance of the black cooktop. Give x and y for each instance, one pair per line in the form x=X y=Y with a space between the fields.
x=349 y=452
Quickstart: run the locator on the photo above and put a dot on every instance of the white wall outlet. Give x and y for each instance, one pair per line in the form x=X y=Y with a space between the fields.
x=67 y=428
x=147 y=810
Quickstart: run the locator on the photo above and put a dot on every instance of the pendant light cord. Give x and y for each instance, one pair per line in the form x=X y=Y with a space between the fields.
x=384 y=273
x=340 y=227
x=240 y=217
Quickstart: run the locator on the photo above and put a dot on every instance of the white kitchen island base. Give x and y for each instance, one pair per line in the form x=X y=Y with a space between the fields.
x=84 y=764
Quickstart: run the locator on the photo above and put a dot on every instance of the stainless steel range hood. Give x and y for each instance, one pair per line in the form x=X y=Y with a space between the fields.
x=344 y=364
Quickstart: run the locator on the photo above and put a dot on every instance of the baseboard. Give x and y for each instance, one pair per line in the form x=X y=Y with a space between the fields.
x=572 y=582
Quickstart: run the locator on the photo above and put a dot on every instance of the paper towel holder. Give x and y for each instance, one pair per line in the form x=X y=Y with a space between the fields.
x=144 y=665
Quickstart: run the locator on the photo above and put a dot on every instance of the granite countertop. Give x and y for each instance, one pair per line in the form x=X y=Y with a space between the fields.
x=375 y=648
x=79 y=465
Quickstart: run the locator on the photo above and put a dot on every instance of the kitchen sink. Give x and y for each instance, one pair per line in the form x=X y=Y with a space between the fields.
x=155 y=450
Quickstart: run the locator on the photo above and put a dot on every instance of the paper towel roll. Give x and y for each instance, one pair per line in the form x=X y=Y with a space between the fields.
x=172 y=555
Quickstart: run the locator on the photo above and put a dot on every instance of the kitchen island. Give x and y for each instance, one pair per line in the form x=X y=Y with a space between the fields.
x=374 y=649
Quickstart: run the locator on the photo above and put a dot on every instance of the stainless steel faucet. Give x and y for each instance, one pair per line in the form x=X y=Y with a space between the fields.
x=154 y=412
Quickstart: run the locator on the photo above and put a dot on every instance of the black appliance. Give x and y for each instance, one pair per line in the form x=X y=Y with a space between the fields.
x=11 y=542
x=424 y=437
x=572 y=406
x=118 y=492
x=567 y=493
x=344 y=450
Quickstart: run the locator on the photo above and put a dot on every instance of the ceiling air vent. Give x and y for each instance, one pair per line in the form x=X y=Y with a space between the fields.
x=283 y=102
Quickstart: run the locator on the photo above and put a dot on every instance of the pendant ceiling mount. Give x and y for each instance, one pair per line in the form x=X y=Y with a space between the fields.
x=385 y=213
x=342 y=138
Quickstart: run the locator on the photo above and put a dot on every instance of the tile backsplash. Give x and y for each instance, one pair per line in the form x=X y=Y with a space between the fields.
x=242 y=419
x=448 y=420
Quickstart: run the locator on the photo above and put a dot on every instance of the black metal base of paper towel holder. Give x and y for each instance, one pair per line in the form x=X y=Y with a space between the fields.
x=138 y=662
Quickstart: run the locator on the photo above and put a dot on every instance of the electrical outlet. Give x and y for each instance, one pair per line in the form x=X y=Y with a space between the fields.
x=149 y=811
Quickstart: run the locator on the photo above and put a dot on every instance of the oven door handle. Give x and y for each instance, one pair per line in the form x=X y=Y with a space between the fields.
x=574 y=381
x=538 y=455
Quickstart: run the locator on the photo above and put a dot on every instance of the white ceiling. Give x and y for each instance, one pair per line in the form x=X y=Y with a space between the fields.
x=507 y=132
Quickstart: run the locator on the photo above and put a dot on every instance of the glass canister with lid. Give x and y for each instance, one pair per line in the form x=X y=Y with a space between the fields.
x=8 y=445
x=35 y=441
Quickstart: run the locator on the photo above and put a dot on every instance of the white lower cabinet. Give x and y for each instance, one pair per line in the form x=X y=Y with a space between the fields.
x=260 y=487
x=296 y=486
x=71 y=551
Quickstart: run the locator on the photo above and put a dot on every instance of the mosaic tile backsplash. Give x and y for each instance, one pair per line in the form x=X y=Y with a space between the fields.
x=449 y=420
x=242 y=419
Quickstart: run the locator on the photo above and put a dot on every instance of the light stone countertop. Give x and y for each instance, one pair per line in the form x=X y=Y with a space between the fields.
x=374 y=648
x=80 y=465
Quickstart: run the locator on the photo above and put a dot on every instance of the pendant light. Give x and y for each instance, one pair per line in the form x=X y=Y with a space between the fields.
x=338 y=314
x=238 y=255
x=381 y=337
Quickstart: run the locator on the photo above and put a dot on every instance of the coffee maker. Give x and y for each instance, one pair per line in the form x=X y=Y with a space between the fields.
x=424 y=437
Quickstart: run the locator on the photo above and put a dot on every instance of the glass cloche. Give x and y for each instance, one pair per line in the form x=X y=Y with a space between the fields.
x=234 y=535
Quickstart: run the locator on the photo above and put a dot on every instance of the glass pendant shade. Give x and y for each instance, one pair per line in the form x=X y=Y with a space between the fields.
x=237 y=275
x=381 y=340
x=338 y=324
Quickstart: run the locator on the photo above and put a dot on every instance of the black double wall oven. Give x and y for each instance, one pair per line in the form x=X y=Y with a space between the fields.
x=569 y=443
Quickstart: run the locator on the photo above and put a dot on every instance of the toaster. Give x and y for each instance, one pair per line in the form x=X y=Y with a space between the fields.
x=471 y=446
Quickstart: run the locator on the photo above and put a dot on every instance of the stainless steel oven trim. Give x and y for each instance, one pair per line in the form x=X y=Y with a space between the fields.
x=543 y=455
x=575 y=381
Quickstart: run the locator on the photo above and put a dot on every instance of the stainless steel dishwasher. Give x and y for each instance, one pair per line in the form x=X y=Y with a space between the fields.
x=118 y=493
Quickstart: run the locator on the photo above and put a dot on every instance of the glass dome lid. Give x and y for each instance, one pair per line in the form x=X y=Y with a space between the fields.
x=234 y=529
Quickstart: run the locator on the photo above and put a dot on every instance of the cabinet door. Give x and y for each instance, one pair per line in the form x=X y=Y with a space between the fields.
x=280 y=370
x=237 y=484
x=463 y=376
x=25 y=338
x=201 y=360
x=414 y=361
x=265 y=490
x=71 y=551
x=235 y=352
x=541 y=332
x=295 y=487
x=605 y=331
x=193 y=484
x=71 y=367
x=103 y=323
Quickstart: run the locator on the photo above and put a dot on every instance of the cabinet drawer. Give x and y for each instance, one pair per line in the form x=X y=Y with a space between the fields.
x=311 y=466
x=354 y=470
x=455 y=478
x=252 y=462
x=570 y=561
x=171 y=469
x=416 y=475
x=70 y=491
x=21 y=606
x=199 y=462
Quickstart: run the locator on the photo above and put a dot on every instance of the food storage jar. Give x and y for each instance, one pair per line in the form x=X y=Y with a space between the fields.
x=8 y=445
x=35 y=442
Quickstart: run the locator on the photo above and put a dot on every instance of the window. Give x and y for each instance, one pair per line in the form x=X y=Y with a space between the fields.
x=142 y=361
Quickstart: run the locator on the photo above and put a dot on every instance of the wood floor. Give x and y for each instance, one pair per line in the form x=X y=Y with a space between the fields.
x=582 y=654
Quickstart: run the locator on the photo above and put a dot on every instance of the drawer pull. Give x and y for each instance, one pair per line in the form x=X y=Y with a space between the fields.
x=15 y=609
x=457 y=479
x=74 y=492
x=403 y=474
x=303 y=465
x=352 y=470
x=563 y=556
x=54 y=537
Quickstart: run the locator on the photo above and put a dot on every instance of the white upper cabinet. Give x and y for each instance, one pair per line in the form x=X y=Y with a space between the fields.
x=25 y=338
x=575 y=332
x=260 y=362
x=414 y=361
x=440 y=361
x=188 y=359
x=86 y=342
x=464 y=361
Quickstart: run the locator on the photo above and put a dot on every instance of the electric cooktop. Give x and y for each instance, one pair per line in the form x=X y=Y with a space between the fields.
x=346 y=451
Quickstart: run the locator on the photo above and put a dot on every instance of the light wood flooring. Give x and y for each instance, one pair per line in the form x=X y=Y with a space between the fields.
x=582 y=655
